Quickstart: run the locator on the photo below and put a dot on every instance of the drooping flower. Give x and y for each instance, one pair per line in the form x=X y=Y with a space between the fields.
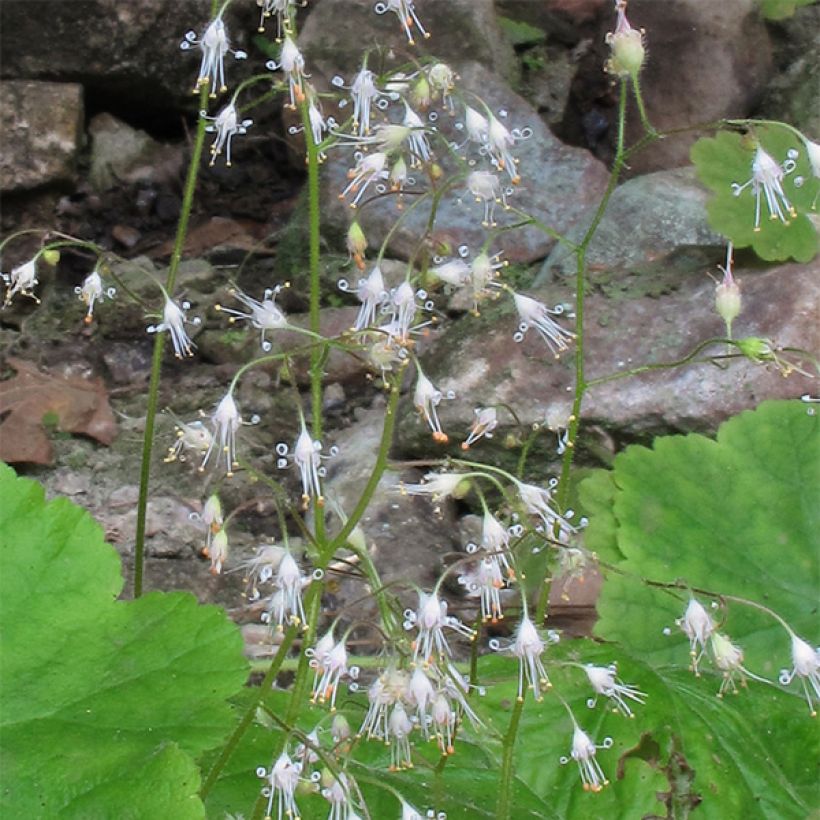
x=536 y=314
x=287 y=606
x=438 y=486
x=370 y=168
x=403 y=306
x=483 y=273
x=476 y=125
x=442 y=81
x=214 y=45
x=456 y=272
x=485 y=421
x=364 y=93
x=194 y=436
x=22 y=280
x=728 y=658
x=495 y=538
x=307 y=460
x=727 y=295
x=486 y=581
x=431 y=619
x=292 y=64
x=698 y=626
x=217 y=551
x=500 y=141
x=339 y=794
x=356 y=243
x=767 y=179
x=399 y=727
x=226 y=421
x=538 y=501
x=282 y=781
x=174 y=319
x=528 y=648
x=265 y=315
x=806 y=667
x=331 y=666
x=372 y=294
x=406 y=12
x=385 y=690
x=420 y=151
x=420 y=695
x=486 y=188
x=626 y=44
x=426 y=399
x=603 y=681
x=226 y=125
x=91 y=291
x=261 y=568
x=583 y=753
x=282 y=9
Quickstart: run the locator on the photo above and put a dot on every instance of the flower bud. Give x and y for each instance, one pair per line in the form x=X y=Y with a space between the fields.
x=755 y=348
x=420 y=94
x=627 y=47
x=727 y=302
x=51 y=256
x=356 y=244
x=436 y=171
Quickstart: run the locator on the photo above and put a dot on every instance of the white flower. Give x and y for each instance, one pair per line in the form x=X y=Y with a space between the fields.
x=282 y=9
x=603 y=681
x=226 y=125
x=476 y=125
x=338 y=794
x=225 y=421
x=583 y=753
x=364 y=92
x=318 y=123
x=287 y=606
x=806 y=666
x=261 y=568
x=438 y=486
x=496 y=540
x=399 y=727
x=292 y=64
x=536 y=314
x=417 y=138
x=486 y=581
x=728 y=658
x=369 y=169
x=174 y=320
x=214 y=45
x=727 y=295
x=386 y=690
x=698 y=626
x=22 y=280
x=212 y=514
x=486 y=188
x=483 y=272
x=420 y=694
x=405 y=11
x=537 y=501
x=265 y=315
x=332 y=664
x=528 y=648
x=403 y=306
x=91 y=291
x=372 y=294
x=456 y=272
x=485 y=421
x=431 y=619
x=813 y=151
x=194 y=436
x=500 y=141
x=442 y=80
x=767 y=177
x=426 y=399
x=398 y=177
x=283 y=779
x=307 y=460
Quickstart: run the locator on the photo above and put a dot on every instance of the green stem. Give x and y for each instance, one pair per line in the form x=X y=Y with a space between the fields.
x=647 y=126
x=502 y=811
x=159 y=346
x=580 y=294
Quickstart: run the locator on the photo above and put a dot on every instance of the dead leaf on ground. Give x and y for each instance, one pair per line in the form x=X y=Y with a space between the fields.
x=77 y=405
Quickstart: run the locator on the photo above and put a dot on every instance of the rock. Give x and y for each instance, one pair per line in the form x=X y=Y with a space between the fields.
x=122 y=154
x=43 y=132
x=646 y=221
x=477 y=360
x=561 y=19
x=407 y=539
x=705 y=61
x=558 y=183
x=792 y=95
x=126 y=54
x=126 y=235
x=338 y=33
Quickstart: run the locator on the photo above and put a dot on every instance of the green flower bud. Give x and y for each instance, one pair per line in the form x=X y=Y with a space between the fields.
x=51 y=256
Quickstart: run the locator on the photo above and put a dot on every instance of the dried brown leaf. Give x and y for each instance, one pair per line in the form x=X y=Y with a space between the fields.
x=79 y=406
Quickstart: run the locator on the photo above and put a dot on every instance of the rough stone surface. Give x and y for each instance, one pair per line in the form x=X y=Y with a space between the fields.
x=557 y=183
x=126 y=53
x=407 y=538
x=482 y=365
x=42 y=125
x=705 y=61
x=122 y=154
x=340 y=31
x=647 y=219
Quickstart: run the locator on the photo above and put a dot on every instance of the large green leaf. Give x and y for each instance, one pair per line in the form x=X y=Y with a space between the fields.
x=104 y=702
x=736 y=516
x=726 y=160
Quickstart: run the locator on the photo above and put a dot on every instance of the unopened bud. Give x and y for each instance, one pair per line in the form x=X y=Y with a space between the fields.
x=420 y=94
x=727 y=302
x=51 y=256
x=356 y=244
x=627 y=47
x=436 y=171
x=755 y=348
x=340 y=728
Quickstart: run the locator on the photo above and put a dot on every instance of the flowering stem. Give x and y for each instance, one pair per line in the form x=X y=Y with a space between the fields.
x=159 y=345
x=580 y=293
x=502 y=811
x=647 y=126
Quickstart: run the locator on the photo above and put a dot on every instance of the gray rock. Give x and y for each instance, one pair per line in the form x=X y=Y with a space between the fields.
x=338 y=32
x=705 y=61
x=122 y=154
x=558 y=183
x=43 y=131
x=478 y=361
x=407 y=539
x=647 y=220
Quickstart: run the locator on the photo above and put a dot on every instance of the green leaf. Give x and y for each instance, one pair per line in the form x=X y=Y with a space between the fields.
x=726 y=160
x=596 y=496
x=520 y=33
x=736 y=516
x=781 y=9
x=105 y=702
